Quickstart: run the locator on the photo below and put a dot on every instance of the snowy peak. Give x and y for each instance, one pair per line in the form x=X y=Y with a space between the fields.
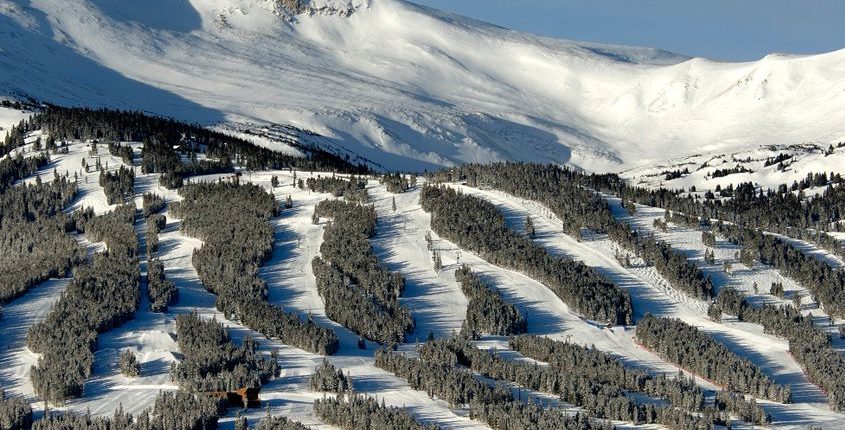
x=410 y=87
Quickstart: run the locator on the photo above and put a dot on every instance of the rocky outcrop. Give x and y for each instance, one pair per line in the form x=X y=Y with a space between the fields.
x=322 y=7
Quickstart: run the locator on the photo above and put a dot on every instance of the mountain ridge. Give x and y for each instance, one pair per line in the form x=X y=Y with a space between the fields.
x=412 y=88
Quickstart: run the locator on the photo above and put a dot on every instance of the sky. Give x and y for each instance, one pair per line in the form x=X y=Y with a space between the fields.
x=735 y=30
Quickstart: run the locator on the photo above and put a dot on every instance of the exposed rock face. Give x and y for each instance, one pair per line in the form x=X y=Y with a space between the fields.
x=324 y=7
x=294 y=6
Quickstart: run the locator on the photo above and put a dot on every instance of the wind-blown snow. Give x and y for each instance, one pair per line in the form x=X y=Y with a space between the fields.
x=409 y=87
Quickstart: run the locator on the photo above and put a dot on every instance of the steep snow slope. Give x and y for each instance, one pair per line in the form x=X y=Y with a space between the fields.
x=409 y=87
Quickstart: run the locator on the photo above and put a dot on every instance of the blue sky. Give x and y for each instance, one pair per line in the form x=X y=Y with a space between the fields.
x=722 y=29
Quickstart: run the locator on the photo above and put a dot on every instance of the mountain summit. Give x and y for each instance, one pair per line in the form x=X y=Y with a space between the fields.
x=409 y=87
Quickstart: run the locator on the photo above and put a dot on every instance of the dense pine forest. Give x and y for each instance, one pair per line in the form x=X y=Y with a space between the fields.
x=691 y=349
x=359 y=292
x=487 y=312
x=212 y=362
x=232 y=220
x=101 y=296
x=456 y=217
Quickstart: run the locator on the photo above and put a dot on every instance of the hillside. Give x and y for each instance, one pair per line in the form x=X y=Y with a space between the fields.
x=406 y=87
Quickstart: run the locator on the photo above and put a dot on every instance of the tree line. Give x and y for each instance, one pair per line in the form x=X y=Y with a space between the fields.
x=487 y=311
x=232 y=220
x=689 y=348
x=100 y=296
x=672 y=265
x=353 y=190
x=436 y=372
x=172 y=410
x=785 y=210
x=562 y=190
x=456 y=216
x=682 y=392
x=599 y=395
x=554 y=186
x=357 y=412
x=808 y=344
x=826 y=283
x=73 y=123
x=358 y=291
x=33 y=236
x=397 y=183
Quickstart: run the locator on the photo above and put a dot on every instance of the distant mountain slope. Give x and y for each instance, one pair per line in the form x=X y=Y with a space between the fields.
x=408 y=87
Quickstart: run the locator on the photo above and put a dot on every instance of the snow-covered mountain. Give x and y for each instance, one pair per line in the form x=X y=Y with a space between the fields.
x=408 y=87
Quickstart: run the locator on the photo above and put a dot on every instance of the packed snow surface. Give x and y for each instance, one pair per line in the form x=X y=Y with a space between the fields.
x=408 y=87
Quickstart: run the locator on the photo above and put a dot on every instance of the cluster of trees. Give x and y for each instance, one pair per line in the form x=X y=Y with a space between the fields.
x=15 y=137
x=810 y=345
x=128 y=364
x=519 y=415
x=167 y=138
x=13 y=169
x=698 y=352
x=353 y=190
x=437 y=372
x=212 y=362
x=155 y=224
x=176 y=410
x=456 y=216
x=327 y=378
x=569 y=358
x=278 y=423
x=779 y=159
x=487 y=311
x=438 y=375
x=162 y=291
x=558 y=188
x=359 y=292
x=356 y=412
x=721 y=173
x=675 y=174
x=122 y=151
x=33 y=236
x=599 y=395
x=785 y=210
x=232 y=220
x=397 y=183
x=101 y=296
x=15 y=412
x=152 y=204
x=118 y=186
